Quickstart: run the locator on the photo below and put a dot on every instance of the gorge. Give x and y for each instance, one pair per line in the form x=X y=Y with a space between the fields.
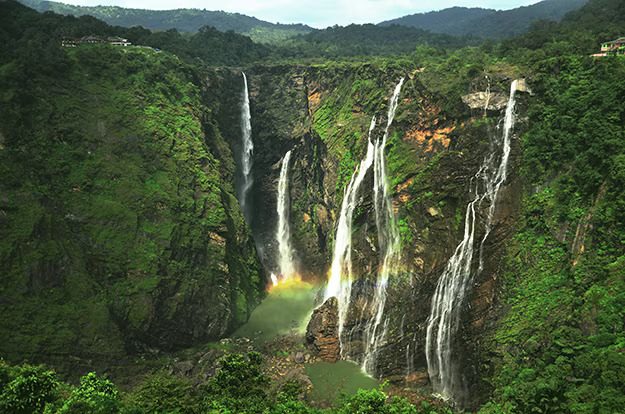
x=216 y=225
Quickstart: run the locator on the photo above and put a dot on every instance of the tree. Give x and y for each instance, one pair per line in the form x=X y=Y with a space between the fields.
x=95 y=395
x=26 y=389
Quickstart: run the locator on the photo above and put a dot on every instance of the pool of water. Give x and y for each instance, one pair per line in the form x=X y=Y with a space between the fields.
x=332 y=380
x=285 y=310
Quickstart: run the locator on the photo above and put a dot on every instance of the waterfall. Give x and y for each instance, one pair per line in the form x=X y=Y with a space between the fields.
x=448 y=299
x=283 y=232
x=388 y=240
x=340 y=281
x=493 y=186
x=341 y=276
x=247 y=149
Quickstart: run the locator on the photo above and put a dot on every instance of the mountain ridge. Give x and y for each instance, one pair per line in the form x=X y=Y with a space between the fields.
x=487 y=23
x=182 y=19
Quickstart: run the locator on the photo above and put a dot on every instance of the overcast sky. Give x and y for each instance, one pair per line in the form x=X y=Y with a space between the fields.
x=316 y=13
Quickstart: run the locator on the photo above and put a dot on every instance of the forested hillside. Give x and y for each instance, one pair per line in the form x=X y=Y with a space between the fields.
x=183 y=20
x=116 y=188
x=488 y=23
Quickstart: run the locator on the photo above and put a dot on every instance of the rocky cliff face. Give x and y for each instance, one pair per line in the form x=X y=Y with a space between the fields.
x=323 y=113
x=140 y=230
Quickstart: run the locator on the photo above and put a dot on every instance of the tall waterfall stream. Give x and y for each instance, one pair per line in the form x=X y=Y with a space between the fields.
x=247 y=149
x=449 y=297
x=341 y=276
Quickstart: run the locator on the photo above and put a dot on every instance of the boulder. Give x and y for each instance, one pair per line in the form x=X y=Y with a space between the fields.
x=521 y=86
x=322 y=333
x=493 y=101
x=299 y=357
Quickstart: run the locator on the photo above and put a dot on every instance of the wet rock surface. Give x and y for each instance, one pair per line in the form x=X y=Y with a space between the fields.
x=322 y=333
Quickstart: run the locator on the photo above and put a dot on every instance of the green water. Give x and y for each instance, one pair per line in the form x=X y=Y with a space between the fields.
x=286 y=309
x=330 y=381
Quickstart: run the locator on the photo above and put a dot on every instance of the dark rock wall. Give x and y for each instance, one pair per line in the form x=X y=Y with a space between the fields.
x=324 y=113
x=156 y=254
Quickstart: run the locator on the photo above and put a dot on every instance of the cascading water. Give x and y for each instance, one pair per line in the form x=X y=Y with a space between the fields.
x=448 y=299
x=283 y=232
x=341 y=276
x=340 y=281
x=247 y=149
x=493 y=186
x=388 y=241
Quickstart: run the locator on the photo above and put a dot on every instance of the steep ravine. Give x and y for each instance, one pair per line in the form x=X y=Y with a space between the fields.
x=170 y=263
x=322 y=113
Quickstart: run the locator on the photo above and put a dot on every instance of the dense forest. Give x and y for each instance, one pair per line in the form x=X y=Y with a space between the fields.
x=124 y=253
x=183 y=20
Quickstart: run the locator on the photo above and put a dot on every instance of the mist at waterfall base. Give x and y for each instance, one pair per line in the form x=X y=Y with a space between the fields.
x=286 y=310
x=453 y=285
x=286 y=266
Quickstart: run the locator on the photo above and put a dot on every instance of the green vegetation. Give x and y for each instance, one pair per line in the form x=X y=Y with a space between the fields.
x=26 y=389
x=183 y=20
x=111 y=198
x=121 y=233
x=239 y=386
x=366 y=40
x=211 y=46
x=560 y=342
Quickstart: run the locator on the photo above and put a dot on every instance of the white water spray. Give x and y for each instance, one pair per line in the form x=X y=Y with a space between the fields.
x=448 y=299
x=283 y=232
x=247 y=148
x=340 y=282
x=388 y=240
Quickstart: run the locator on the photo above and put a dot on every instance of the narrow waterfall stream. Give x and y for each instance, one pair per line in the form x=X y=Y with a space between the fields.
x=450 y=294
x=388 y=240
x=341 y=275
x=283 y=232
x=247 y=149
x=340 y=281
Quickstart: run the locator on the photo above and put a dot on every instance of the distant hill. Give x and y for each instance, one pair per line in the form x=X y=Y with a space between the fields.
x=183 y=20
x=604 y=17
x=488 y=23
x=454 y=20
x=369 y=40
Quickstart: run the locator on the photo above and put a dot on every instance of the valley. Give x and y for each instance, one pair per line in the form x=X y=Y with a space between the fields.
x=333 y=223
